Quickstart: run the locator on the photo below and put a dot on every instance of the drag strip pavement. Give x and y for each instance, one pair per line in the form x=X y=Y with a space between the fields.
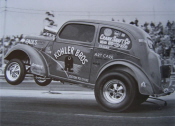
x=48 y=94
x=72 y=108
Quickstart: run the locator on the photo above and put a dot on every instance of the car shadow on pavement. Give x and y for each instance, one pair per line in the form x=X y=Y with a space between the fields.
x=88 y=106
x=91 y=106
x=154 y=106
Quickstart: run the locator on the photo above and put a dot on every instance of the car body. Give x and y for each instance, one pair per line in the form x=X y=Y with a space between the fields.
x=117 y=58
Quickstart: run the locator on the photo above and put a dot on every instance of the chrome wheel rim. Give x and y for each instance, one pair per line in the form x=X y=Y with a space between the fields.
x=13 y=71
x=114 y=91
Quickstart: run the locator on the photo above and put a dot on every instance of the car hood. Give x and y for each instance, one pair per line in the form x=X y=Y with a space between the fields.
x=36 y=41
x=32 y=37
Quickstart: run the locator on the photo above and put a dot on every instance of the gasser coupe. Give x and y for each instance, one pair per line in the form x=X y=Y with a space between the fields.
x=118 y=59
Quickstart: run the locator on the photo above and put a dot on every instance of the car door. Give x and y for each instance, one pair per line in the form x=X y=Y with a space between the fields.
x=112 y=44
x=72 y=52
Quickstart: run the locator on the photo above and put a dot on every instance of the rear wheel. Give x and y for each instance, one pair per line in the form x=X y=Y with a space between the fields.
x=42 y=81
x=115 y=91
x=15 y=72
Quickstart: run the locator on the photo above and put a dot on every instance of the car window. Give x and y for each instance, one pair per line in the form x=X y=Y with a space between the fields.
x=114 y=38
x=78 y=32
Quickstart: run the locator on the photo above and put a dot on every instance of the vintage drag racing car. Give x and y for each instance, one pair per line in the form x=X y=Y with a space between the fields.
x=117 y=58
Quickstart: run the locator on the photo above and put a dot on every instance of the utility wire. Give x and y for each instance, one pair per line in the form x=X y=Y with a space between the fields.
x=94 y=14
x=25 y=12
x=90 y=11
x=25 y=9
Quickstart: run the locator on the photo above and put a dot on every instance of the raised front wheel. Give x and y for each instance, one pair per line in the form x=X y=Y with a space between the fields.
x=15 y=72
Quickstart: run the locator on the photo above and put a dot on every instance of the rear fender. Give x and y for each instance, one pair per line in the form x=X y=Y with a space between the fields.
x=144 y=83
x=37 y=60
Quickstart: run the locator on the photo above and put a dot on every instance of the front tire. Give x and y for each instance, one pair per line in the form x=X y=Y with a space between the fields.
x=115 y=91
x=15 y=72
x=41 y=81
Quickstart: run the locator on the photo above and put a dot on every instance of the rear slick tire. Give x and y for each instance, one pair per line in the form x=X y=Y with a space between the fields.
x=115 y=91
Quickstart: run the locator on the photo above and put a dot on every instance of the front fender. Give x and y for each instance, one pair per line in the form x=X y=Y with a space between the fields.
x=37 y=60
x=144 y=84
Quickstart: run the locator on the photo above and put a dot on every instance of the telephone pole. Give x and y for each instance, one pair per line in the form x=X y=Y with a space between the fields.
x=4 y=33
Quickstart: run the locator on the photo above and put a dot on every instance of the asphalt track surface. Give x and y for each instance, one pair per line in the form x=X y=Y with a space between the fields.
x=71 y=105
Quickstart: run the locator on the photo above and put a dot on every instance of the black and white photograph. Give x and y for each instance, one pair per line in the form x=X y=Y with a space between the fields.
x=87 y=63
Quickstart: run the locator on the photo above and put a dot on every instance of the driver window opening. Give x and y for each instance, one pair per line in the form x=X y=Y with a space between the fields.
x=78 y=32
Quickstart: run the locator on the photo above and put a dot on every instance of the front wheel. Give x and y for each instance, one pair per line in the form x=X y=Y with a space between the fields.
x=15 y=72
x=41 y=81
x=115 y=91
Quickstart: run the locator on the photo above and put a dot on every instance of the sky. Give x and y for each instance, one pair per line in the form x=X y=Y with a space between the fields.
x=27 y=16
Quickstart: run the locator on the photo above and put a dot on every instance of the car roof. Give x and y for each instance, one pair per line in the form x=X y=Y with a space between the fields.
x=135 y=31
